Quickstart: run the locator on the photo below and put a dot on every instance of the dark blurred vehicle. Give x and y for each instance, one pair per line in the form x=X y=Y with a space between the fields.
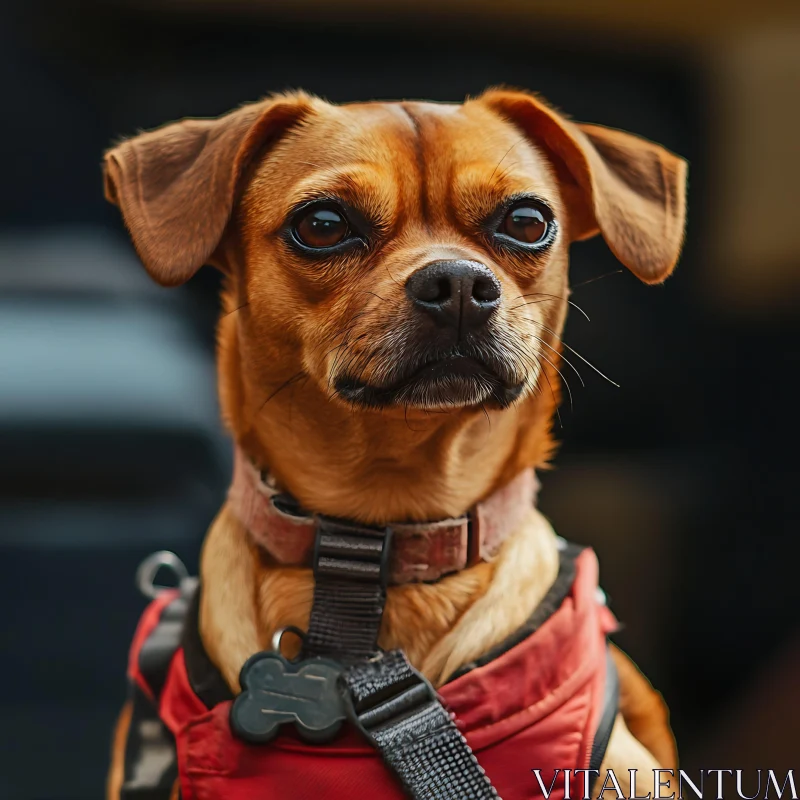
x=110 y=444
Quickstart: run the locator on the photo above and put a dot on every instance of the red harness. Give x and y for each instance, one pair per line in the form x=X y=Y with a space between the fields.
x=543 y=703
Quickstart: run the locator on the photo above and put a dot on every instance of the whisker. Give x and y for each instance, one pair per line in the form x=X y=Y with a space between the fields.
x=353 y=356
x=367 y=291
x=343 y=332
x=597 y=278
x=346 y=341
x=561 y=356
x=336 y=358
x=291 y=402
x=391 y=277
x=575 y=352
x=405 y=418
x=283 y=386
x=505 y=155
x=569 y=391
x=234 y=310
x=553 y=296
x=558 y=413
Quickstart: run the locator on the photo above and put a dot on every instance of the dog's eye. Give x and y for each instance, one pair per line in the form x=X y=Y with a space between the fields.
x=527 y=223
x=321 y=227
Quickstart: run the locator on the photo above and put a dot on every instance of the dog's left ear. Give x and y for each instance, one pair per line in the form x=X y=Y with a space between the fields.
x=627 y=188
x=176 y=186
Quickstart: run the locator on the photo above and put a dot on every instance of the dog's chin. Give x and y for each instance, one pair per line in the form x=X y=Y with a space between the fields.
x=457 y=382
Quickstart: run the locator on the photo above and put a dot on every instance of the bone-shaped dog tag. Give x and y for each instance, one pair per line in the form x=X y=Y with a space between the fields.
x=276 y=691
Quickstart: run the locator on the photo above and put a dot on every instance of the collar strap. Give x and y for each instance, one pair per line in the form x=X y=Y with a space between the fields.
x=420 y=551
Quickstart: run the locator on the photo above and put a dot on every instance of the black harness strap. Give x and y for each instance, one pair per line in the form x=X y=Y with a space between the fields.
x=400 y=713
x=161 y=644
x=351 y=565
x=204 y=678
x=608 y=717
x=151 y=766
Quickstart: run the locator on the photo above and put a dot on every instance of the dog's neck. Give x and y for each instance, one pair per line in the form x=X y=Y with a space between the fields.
x=376 y=467
x=379 y=470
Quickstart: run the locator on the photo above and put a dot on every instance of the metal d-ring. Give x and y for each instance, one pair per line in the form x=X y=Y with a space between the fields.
x=149 y=568
x=278 y=635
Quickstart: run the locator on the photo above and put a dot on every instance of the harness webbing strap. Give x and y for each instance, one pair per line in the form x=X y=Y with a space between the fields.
x=401 y=715
x=151 y=764
x=608 y=717
x=161 y=644
x=351 y=565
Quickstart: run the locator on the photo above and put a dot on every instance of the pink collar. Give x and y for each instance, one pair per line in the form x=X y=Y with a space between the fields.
x=420 y=551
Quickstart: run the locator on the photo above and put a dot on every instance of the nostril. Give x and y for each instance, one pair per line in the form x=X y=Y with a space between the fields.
x=431 y=288
x=440 y=291
x=485 y=289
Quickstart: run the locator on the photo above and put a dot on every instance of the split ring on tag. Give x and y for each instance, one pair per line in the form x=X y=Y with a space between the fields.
x=278 y=636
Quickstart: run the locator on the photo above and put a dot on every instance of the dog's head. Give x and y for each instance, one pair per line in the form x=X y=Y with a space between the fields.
x=394 y=256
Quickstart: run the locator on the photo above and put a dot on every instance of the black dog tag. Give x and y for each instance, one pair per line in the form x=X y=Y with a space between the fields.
x=276 y=691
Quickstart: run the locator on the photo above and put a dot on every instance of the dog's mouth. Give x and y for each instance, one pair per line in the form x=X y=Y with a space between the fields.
x=455 y=380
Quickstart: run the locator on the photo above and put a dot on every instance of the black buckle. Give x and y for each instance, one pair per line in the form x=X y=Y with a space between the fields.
x=398 y=691
x=352 y=552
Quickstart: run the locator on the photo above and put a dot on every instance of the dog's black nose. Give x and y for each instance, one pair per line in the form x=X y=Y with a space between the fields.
x=461 y=294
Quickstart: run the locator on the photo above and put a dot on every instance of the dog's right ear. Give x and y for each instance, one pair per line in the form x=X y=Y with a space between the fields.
x=176 y=186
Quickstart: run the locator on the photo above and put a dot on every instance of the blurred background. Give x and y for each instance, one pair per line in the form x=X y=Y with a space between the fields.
x=685 y=479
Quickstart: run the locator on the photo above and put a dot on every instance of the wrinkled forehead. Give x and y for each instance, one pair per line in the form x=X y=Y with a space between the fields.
x=389 y=157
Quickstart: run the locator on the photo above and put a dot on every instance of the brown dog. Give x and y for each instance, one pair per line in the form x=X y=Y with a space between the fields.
x=336 y=359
